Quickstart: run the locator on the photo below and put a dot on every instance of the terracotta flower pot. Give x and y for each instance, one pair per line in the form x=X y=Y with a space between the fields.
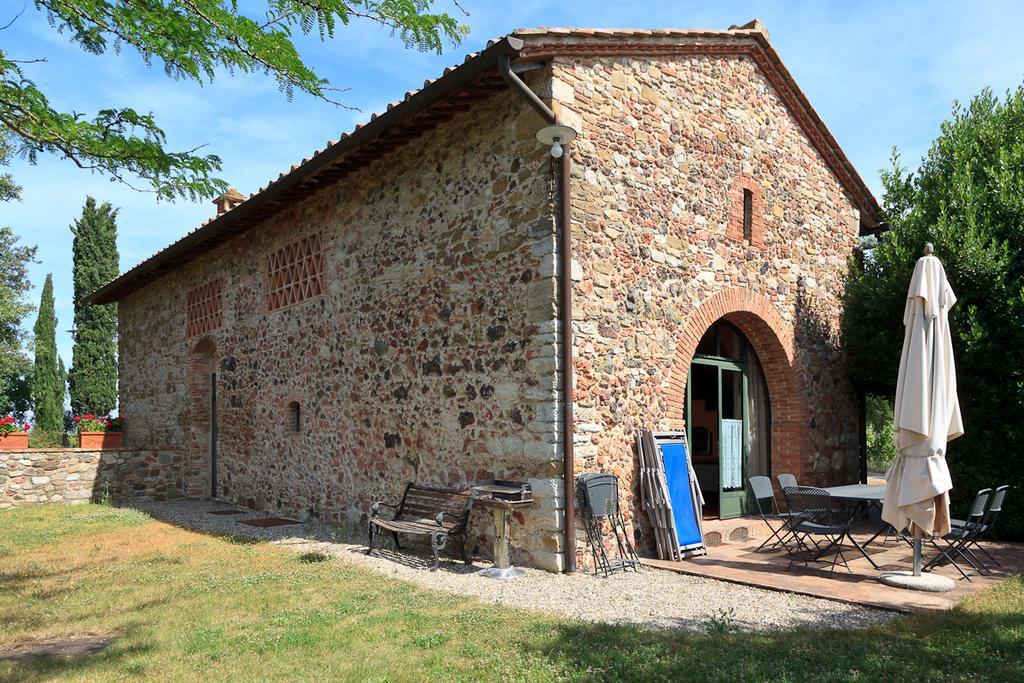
x=100 y=439
x=14 y=441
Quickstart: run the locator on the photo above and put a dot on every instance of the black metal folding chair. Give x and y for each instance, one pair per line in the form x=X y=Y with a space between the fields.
x=779 y=523
x=818 y=518
x=959 y=538
x=787 y=481
x=995 y=506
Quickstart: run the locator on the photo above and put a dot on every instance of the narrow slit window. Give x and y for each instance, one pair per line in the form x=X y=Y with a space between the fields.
x=295 y=416
x=748 y=215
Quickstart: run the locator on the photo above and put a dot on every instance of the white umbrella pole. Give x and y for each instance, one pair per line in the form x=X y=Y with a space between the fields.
x=917 y=550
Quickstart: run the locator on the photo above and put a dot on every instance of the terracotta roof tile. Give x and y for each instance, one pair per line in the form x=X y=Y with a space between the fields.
x=113 y=290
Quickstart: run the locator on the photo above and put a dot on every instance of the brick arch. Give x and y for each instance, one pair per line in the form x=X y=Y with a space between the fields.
x=202 y=363
x=772 y=340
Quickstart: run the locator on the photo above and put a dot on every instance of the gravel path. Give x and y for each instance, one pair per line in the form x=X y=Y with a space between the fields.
x=653 y=597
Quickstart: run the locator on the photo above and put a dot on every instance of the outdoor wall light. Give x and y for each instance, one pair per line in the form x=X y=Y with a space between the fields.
x=556 y=135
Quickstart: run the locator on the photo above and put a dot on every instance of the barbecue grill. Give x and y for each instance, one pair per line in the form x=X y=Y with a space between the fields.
x=500 y=489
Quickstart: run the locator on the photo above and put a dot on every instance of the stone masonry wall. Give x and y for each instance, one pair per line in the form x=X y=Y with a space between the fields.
x=430 y=357
x=667 y=145
x=78 y=475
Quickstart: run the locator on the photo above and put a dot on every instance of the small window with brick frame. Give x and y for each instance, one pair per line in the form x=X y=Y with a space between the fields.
x=295 y=273
x=748 y=215
x=295 y=416
x=746 y=212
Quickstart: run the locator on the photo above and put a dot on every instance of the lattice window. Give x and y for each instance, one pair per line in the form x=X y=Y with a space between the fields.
x=295 y=273
x=204 y=308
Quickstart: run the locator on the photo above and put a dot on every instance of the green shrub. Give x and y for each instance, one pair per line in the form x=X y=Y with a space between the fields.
x=881 y=448
x=967 y=198
x=39 y=438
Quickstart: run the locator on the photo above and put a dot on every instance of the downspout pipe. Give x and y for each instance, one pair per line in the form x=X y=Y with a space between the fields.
x=565 y=312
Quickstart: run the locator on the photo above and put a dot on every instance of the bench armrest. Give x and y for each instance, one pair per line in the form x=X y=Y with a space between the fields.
x=375 y=508
x=439 y=517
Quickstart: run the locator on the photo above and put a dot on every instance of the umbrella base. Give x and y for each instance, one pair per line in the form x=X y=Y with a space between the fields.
x=932 y=583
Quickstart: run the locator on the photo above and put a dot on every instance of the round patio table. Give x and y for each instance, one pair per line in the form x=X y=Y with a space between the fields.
x=867 y=496
x=870 y=494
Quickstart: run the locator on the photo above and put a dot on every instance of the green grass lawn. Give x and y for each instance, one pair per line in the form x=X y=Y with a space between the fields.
x=189 y=606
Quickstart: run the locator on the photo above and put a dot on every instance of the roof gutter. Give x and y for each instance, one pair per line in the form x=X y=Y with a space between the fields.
x=564 y=311
x=431 y=93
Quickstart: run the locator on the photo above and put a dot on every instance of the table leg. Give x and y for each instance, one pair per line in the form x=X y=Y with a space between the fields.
x=501 y=549
x=863 y=552
x=885 y=529
x=502 y=568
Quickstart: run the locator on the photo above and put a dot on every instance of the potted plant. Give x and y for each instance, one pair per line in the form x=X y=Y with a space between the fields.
x=100 y=432
x=13 y=436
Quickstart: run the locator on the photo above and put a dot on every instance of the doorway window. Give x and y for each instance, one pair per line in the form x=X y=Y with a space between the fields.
x=722 y=340
x=727 y=419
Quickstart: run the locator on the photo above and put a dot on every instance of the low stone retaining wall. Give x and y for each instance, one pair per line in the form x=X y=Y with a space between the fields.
x=73 y=475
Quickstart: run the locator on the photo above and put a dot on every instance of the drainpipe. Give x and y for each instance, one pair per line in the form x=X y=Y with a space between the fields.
x=565 y=313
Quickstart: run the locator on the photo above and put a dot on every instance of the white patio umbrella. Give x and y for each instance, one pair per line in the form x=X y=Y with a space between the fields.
x=926 y=418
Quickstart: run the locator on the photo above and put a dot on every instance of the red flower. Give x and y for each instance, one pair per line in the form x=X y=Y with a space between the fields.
x=26 y=426
x=89 y=416
x=78 y=419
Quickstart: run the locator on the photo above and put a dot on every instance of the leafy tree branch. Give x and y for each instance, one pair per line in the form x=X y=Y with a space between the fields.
x=194 y=40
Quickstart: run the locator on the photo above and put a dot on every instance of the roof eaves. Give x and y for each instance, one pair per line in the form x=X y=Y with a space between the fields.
x=474 y=65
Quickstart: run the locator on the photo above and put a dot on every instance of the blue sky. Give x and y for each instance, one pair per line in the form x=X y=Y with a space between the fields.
x=879 y=73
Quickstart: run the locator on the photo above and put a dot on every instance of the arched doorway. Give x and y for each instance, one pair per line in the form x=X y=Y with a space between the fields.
x=202 y=426
x=728 y=418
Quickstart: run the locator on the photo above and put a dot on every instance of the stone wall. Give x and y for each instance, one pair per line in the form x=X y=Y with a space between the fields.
x=667 y=146
x=78 y=475
x=430 y=356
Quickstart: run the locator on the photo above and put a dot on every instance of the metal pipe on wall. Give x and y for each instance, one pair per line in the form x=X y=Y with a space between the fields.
x=565 y=313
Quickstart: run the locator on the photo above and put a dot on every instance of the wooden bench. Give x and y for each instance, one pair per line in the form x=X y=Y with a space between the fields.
x=423 y=511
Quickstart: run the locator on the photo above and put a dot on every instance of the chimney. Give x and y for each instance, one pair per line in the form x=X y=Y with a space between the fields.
x=228 y=201
x=753 y=25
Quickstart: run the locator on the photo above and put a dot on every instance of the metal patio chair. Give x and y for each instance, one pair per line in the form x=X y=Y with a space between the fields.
x=787 y=481
x=959 y=538
x=779 y=523
x=818 y=518
x=995 y=506
x=597 y=496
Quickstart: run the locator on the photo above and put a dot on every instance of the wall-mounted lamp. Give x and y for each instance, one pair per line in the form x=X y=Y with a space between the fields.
x=556 y=135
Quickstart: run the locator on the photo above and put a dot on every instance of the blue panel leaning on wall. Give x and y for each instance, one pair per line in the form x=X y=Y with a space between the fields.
x=677 y=472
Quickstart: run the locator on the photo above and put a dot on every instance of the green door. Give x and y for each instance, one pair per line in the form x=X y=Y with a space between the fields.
x=723 y=399
x=732 y=442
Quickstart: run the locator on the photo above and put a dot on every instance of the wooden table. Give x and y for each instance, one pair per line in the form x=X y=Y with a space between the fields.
x=500 y=511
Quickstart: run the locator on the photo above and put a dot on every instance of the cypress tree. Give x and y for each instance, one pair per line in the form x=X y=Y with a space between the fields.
x=93 y=376
x=47 y=376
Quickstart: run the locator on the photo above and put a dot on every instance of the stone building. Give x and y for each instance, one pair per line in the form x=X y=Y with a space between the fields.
x=391 y=309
